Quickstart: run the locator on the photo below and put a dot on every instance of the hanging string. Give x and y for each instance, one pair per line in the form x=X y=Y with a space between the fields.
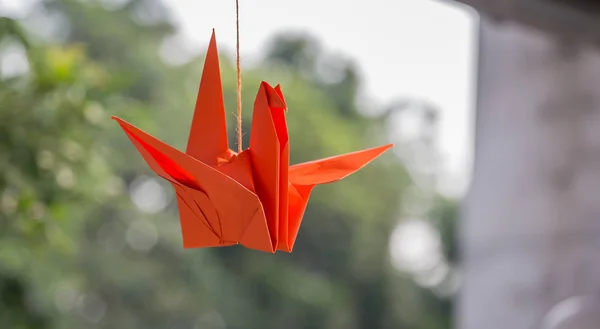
x=239 y=78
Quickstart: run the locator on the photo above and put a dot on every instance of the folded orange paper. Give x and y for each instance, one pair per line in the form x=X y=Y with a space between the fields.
x=254 y=198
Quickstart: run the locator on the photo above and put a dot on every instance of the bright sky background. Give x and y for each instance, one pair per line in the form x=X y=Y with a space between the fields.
x=417 y=48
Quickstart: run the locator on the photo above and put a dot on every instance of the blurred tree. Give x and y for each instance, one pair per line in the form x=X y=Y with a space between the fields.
x=335 y=74
x=92 y=235
x=445 y=215
x=15 y=312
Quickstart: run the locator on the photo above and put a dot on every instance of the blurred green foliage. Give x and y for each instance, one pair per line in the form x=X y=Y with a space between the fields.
x=75 y=252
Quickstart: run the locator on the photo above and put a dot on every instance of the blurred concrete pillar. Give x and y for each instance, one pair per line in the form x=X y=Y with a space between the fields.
x=531 y=229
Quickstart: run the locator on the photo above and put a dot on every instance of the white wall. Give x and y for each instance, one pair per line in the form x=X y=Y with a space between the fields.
x=531 y=227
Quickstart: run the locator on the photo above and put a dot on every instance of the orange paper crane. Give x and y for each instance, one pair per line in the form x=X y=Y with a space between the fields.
x=253 y=198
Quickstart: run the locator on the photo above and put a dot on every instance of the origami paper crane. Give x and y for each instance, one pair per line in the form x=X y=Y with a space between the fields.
x=254 y=198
